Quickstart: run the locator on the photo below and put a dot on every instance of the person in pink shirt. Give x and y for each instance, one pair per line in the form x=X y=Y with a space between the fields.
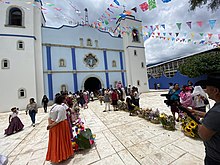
x=186 y=97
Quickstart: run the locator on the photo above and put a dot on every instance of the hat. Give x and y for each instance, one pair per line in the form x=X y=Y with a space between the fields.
x=213 y=79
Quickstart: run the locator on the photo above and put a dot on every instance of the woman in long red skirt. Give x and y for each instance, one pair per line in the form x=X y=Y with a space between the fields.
x=59 y=146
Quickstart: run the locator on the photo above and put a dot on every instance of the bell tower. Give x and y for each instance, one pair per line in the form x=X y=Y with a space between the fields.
x=21 y=53
x=134 y=52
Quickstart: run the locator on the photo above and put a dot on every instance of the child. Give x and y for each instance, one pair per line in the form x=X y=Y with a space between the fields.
x=15 y=123
x=130 y=105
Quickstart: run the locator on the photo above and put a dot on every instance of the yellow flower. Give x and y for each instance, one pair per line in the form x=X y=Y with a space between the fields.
x=193 y=124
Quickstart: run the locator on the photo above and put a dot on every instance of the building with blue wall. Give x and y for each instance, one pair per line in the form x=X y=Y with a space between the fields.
x=167 y=72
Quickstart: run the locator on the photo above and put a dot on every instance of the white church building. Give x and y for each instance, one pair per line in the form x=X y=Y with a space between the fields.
x=38 y=60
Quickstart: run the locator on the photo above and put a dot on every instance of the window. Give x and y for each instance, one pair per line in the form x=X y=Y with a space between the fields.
x=63 y=88
x=114 y=63
x=135 y=35
x=96 y=43
x=89 y=42
x=21 y=93
x=62 y=63
x=81 y=41
x=138 y=82
x=15 y=17
x=5 y=64
x=135 y=52
x=142 y=65
x=20 y=45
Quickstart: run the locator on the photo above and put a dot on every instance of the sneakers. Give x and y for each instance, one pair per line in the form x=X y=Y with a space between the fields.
x=33 y=125
x=104 y=111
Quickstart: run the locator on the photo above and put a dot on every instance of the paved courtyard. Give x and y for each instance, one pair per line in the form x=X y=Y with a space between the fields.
x=120 y=139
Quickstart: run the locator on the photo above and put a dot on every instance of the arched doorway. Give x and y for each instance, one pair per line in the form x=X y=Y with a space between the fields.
x=92 y=84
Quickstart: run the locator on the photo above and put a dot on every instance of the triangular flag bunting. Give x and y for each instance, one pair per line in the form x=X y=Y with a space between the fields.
x=219 y=36
x=210 y=35
x=199 y=23
x=177 y=34
x=144 y=6
x=166 y=1
x=179 y=25
x=189 y=24
x=164 y=34
x=157 y=26
x=212 y=23
x=117 y=3
x=170 y=34
x=201 y=34
x=192 y=35
x=152 y=4
x=134 y=9
x=163 y=25
x=110 y=10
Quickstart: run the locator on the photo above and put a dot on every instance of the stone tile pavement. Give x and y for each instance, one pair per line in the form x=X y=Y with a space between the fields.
x=120 y=139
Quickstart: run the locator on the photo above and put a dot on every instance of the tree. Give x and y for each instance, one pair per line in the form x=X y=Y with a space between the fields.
x=213 y=4
x=201 y=64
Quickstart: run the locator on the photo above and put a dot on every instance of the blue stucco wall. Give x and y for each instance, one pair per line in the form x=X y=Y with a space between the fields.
x=177 y=78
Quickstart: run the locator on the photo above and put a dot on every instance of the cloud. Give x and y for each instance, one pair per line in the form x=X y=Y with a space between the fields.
x=166 y=13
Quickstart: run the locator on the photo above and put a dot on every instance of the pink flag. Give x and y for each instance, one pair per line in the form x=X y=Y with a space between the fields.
x=219 y=36
x=199 y=23
x=144 y=6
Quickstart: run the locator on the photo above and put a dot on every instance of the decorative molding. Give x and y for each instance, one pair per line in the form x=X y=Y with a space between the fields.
x=15 y=35
x=81 y=47
x=141 y=47
x=81 y=71
x=90 y=60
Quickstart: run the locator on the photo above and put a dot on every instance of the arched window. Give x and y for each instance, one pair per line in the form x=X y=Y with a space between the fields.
x=114 y=63
x=5 y=64
x=62 y=63
x=22 y=93
x=15 y=17
x=96 y=43
x=135 y=52
x=20 y=45
x=89 y=42
x=135 y=35
x=63 y=88
x=81 y=41
x=138 y=82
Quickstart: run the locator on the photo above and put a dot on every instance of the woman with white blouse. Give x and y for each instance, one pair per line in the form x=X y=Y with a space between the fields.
x=59 y=145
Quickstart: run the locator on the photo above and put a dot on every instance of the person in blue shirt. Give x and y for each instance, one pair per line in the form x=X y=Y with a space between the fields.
x=175 y=98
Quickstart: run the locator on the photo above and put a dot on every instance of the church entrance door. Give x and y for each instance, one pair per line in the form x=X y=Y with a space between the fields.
x=92 y=84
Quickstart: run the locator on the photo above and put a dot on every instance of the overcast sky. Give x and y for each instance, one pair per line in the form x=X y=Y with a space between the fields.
x=176 y=11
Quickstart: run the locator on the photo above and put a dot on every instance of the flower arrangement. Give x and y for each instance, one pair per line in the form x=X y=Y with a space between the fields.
x=154 y=117
x=122 y=106
x=167 y=122
x=190 y=127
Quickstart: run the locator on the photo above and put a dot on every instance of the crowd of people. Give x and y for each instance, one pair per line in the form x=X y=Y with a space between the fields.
x=65 y=112
x=195 y=100
x=129 y=95
x=187 y=96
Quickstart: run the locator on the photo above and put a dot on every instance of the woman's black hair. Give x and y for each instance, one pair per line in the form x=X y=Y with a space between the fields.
x=59 y=99
x=32 y=99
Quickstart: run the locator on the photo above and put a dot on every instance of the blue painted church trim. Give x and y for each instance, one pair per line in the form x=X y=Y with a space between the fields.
x=49 y=76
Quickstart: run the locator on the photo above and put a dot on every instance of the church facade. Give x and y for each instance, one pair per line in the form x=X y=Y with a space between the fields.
x=38 y=60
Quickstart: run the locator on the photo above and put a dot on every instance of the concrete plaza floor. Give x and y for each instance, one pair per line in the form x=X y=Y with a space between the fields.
x=120 y=139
